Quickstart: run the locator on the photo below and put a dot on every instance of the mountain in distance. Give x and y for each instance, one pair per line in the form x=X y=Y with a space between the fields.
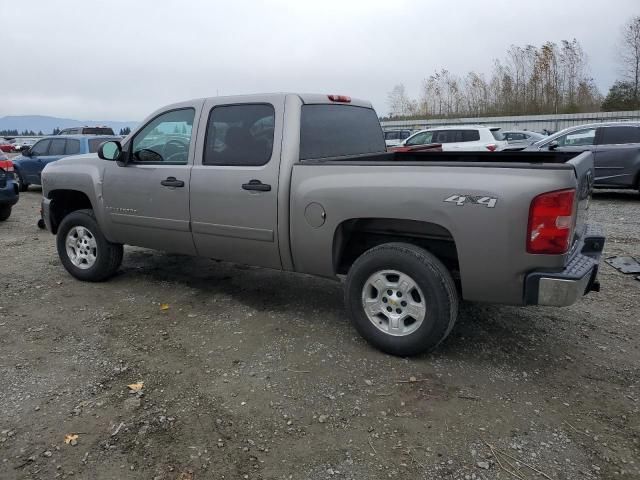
x=45 y=124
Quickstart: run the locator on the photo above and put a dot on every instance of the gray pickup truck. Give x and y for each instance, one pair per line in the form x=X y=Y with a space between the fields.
x=304 y=183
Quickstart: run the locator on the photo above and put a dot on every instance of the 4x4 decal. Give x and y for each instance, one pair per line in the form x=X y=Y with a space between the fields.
x=461 y=200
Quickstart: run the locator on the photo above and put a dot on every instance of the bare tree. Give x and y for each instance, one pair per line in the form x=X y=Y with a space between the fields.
x=400 y=105
x=630 y=54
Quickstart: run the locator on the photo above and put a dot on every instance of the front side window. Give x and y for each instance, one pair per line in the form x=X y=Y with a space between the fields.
x=420 y=139
x=57 y=146
x=240 y=135
x=41 y=147
x=73 y=147
x=619 y=135
x=165 y=139
x=577 y=138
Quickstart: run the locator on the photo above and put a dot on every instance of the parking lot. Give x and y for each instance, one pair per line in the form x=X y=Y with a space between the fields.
x=251 y=373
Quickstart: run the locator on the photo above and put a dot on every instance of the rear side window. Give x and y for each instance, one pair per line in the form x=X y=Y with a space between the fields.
x=497 y=134
x=240 y=135
x=455 y=136
x=73 y=147
x=57 y=146
x=339 y=130
x=619 y=135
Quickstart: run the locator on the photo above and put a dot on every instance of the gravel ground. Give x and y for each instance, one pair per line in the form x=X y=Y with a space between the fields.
x=255 y=374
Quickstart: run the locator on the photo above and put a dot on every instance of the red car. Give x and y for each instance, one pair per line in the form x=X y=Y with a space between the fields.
x=6 y=147
x=428 y=147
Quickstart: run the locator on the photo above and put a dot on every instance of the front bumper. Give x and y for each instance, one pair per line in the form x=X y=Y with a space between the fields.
x=45 y=209
x=560 y=289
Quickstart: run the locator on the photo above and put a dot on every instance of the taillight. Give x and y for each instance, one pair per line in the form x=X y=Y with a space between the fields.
x=492 y=147
x=7 y=165
x=339 y=98
x=551 y=222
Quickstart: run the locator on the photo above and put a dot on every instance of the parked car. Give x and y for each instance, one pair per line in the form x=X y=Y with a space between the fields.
x=30 y=163
x=615 y=147
x=520 y=139
x=460 y=138
x=8 y=188
x=395 y=137
x=414 y=232
x=6 y=146
x=22 y=143
x=87 y=131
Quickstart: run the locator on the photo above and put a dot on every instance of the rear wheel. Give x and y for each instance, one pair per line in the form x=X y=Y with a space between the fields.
x=83 y=249
x=401 y=298
x=5 y=212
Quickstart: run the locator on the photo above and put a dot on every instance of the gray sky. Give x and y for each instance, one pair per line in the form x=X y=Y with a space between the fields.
x=121 y=59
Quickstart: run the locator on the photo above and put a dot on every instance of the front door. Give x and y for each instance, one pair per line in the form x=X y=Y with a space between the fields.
x=147 y=199
x=234 y=182
x=32 y=165
x=582 y=140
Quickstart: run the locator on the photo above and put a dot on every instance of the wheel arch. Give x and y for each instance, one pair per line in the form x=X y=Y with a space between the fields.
x=355 y=236
x=65 y=201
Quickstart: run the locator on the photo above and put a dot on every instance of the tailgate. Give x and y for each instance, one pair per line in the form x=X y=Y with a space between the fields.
x=583 y=167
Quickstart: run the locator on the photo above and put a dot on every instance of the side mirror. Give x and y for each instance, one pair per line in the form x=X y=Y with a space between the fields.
x=553 y=145
x=25 y=151
x=110 y=150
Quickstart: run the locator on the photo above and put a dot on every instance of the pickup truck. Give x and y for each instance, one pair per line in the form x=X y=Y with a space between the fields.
x=304 y=183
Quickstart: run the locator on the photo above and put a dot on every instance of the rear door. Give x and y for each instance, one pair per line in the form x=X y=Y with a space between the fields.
x=617 y=157
x=234 y=183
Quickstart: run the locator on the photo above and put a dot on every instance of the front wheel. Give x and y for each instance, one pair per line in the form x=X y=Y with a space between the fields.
x=401 y=299
x=5 y=212
x=83 y=249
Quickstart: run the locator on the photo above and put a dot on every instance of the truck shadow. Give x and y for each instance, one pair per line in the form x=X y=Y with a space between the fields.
x=622 y=195
x=525 y=338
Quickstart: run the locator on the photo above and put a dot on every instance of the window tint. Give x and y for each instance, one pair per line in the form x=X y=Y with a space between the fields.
x=97 y=131
x=455 y=136
x=41 y=147
x=421 y=138
x=577 y=138
x=240 y=135
x=73 y=147
x=405 y=134
x=94 y=143
x=339 y=130
x=166 y=138
x=619 y=135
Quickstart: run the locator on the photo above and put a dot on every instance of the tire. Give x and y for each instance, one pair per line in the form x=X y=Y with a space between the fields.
x=409 y=273
x=5 y=212
x=91 y=258
x=22 y=185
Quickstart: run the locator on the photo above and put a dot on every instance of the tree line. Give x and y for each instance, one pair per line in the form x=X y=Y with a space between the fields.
x=552 y=78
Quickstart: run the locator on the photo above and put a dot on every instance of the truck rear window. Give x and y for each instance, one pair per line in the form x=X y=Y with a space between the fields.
x=339 y=130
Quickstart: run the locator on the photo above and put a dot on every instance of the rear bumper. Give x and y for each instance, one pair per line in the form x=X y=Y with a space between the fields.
x=560 y=289
x=9 y=194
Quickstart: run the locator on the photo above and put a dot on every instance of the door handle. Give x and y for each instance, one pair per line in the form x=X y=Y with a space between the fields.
x=172 y=182
x=256 y=185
